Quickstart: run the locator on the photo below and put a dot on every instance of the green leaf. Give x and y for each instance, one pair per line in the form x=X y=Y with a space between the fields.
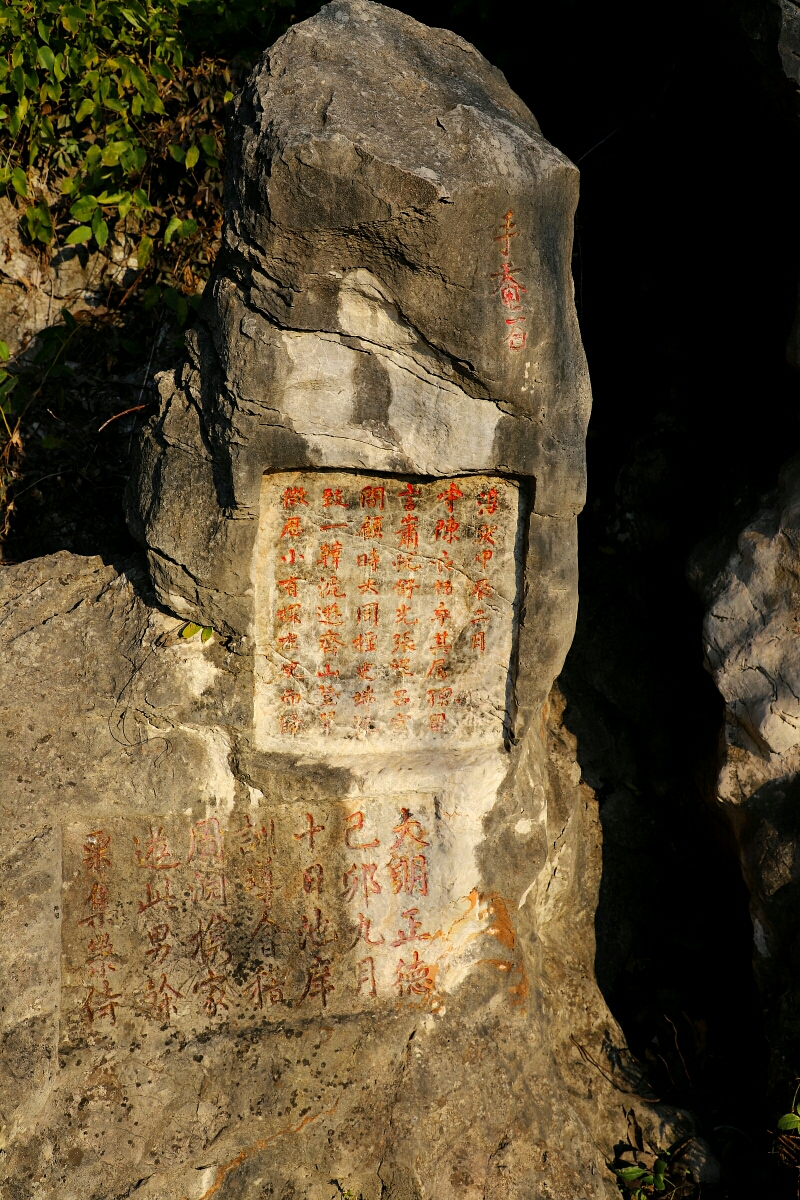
x=192 y=155
x=40 y=223
x=182 y=310
x=46 y=58
x=5 y=353
x=187 y=228
x=151 y=297
x=227 y=97
x=628 y=1174
x=140 y=196
x=78 y=236
x=43 y=31
x=789 y=1121
x=190 y=630
x=177 y=152
x=124 y=206
x=173 y=226
x=143 y=252
x=85 y=108
x=83 y=208
x=100 y=230
x=19 y=181
x=110 y=197
x=206 y=634
x=69 y=320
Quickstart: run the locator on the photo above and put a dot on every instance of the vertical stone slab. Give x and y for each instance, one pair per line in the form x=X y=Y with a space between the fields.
x=327 y=879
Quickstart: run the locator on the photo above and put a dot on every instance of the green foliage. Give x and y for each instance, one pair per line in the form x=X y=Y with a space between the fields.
x=105 y=120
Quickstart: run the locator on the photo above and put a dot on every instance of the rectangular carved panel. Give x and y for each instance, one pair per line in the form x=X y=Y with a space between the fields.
x=385 y=610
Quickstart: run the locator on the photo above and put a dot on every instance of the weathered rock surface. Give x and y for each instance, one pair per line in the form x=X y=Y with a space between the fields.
x=752 y=650
x=306 y=908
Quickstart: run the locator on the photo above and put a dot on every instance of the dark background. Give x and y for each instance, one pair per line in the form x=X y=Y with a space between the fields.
x=686 y=269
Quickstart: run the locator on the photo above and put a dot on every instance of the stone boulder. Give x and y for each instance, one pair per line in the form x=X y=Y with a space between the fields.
x=302 y=905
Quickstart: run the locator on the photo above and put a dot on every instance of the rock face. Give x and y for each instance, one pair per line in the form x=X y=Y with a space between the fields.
x=305 y=907
x=751 y=645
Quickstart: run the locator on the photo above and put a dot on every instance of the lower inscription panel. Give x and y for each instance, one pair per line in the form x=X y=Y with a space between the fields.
x=385 y=610
x=337 y=908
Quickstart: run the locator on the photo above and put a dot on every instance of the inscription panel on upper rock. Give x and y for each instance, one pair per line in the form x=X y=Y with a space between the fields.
x=385 y=610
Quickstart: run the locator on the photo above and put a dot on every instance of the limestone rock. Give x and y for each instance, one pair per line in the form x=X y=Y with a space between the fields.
x=303 y=905
x=751 y=647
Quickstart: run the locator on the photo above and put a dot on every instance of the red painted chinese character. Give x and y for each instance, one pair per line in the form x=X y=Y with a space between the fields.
x=402 y=665
x=409 y=874
x=370 y=560
x=440 y=641
x=516 y=337
x=479 y=640
x=482 y=589
x=253 y=837
x=156 y=854
x=266 y=985
x=361 y=879
x=330 y=587
x=449 y=497
x=291 y=556
x=437 y=721
x=480 y=615
x=488 y=501
x=258 y=880
x=317 y=931
x=318 y=980
x=402 y=617
x=100 y=1003
x=213 y=992
x=290 y=697
x=401 y=696
x=365 y=977
x=288 y=641
x=98 y=903
x=444 y=562
x=333 y=496
x=446 y=530
x=290 y=725
x=364 y=671
x=205 y=840
x=290 y=669
x=439 y=696
x=408 y=495
x=328 y=672
x=399 y=722
x=289 y=584
x=327 y=718
x=372 y=527
x=406 y=587
x=437 y=669
x=509 y=228
x=329 y=614
x=159 y=946
x=409 y=828
x=160 y=1000
x=311 y=830
x=290 y=614
x=413 y=934
x=353 y=825
x=372 y=496
x=408 y=534
x=367 y=614
x=368 y=586
x=443 y=587
x=413 y=978
x=99 y=956
x=96 y=851
x=293 y=528
x=294 y=496
x=510 y=289
x=405 y=562
x=209 y=889
x=403 y=641
x=483 y=557
x=365 y=642
x=209 y=940
x=440 y=613
x=485 y=532
x=155 y=897
x=366 y=697
x=330 y=694
x=313 y=878
x=330 y=643
x=329 y=555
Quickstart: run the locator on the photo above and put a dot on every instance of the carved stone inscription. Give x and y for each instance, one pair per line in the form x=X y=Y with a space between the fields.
x=385 y=610
x=339 y=908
